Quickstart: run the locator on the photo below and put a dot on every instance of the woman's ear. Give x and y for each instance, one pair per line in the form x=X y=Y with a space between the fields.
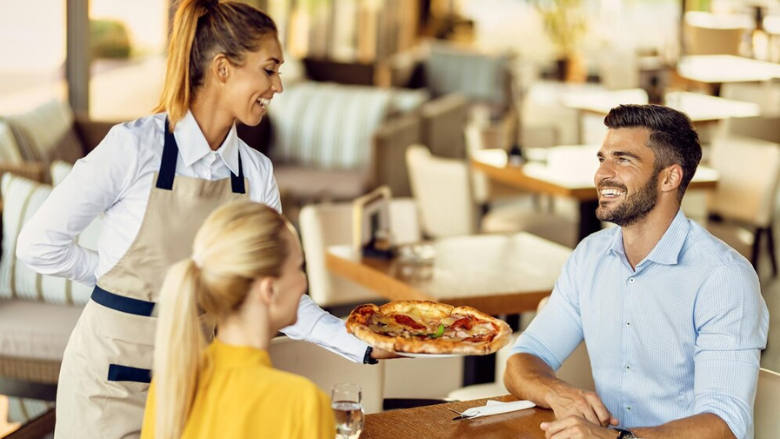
x=221 y=68
x=266 y=289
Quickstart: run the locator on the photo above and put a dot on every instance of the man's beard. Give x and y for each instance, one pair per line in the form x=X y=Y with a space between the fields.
x=634 y=207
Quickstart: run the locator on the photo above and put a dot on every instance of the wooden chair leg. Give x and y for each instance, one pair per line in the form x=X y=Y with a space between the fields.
x=771 y=238
x=756 y=247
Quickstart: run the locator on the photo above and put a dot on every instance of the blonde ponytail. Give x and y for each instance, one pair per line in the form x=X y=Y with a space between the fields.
x=201 y=30
x=179 y=346
x=238 y=243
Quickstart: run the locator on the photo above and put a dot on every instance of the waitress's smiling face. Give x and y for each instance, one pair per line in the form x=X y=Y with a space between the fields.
x=249 y=87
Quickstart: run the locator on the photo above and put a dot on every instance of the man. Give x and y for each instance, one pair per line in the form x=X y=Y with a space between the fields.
x=673 y=318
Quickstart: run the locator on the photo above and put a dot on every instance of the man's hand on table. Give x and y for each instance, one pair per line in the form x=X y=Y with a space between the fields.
x=566 y=401
x=575 y=427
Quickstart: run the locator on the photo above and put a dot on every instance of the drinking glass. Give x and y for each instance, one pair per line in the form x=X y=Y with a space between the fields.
x=346 y=401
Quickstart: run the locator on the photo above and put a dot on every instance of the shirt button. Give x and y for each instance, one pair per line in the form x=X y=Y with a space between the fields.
x=631 y=280
x=628 y=323
x=628 y=408
x=628 y=367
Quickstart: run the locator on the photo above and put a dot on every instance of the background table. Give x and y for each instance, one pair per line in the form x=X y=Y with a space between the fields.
x=715 y=70
x=435 y=422
x=497 y=274
x=571 y=178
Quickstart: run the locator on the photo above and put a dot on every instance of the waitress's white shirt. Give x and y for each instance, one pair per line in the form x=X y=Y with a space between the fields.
x=115 y=180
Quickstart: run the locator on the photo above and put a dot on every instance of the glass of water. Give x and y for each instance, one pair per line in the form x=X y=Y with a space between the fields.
x=346 y=401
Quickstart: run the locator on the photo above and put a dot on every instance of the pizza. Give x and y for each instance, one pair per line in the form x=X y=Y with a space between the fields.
x=423 y=327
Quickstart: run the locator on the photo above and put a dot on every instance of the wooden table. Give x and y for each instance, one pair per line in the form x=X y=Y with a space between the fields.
x=714 y=70
x=574 y=180
x=497 y=274
x=702 y=109
x=435 y=422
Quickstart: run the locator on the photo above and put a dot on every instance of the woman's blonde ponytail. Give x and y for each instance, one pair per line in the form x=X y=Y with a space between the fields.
x=176 y=93
x=178 y=348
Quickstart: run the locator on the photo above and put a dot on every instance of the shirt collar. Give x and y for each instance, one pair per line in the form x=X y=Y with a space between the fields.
x=667 y=251
x=193 y=145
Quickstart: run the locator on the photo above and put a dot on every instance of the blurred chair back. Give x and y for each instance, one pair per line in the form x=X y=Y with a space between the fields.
x=324 y=225
x=760 y=127
x=747 y=185
x=767 y=406
x=765 y=94
x=746 y=194
x=711 y=34
x=325 y=369
x=442 y=191
x=475 y=143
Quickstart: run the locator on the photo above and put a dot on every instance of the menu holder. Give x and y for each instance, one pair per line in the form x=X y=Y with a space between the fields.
x=371 y=224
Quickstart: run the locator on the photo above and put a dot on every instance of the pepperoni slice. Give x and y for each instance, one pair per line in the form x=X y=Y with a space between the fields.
x=465 y=322
x=408 y=321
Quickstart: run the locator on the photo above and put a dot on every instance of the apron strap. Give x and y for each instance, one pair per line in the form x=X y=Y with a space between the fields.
x=237 y=181
x=168 y=166
x=123 y=304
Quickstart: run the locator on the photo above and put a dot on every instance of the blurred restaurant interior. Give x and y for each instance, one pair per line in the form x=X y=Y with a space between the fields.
x=481 y=117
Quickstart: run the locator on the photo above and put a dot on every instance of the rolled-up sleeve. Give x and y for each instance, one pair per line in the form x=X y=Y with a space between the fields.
x=328 y=331
x=731 y=321
x=557 y=330
x=47 y=243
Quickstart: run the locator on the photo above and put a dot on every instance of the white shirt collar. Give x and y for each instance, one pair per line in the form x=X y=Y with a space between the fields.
x=193 y=145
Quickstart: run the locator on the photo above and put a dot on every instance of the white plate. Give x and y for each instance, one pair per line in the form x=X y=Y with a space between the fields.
x=407 y=354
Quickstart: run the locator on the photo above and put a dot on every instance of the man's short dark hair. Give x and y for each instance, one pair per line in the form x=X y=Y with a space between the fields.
x=673 y=138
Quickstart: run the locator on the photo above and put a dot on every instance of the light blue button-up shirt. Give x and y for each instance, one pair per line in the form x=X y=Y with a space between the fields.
x=679 y=336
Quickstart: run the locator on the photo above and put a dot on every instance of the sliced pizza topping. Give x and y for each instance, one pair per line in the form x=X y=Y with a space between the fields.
x=408 y=321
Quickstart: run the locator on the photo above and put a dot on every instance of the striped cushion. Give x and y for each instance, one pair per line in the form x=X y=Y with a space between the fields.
x=9 y=150
x=21 y=199
x=25 y=410
x=46 y=133
x=478 y=76
x=326 y=125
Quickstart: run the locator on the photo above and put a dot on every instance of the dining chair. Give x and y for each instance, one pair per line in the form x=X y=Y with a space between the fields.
x=326 y=369
x=711 y=34
x=742 y=206
x=759 y=127
x=328 y=224
x=767 y=406
x=443 y=191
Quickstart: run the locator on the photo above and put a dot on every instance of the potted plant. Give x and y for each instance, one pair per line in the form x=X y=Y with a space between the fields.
x=565 y=23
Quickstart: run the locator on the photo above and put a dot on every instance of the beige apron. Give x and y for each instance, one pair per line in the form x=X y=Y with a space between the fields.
x=106 y=369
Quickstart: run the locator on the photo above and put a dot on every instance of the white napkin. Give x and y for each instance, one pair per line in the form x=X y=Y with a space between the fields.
x=498 y=407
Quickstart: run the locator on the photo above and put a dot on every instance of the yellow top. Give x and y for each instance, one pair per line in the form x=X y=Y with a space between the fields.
x=245 y=397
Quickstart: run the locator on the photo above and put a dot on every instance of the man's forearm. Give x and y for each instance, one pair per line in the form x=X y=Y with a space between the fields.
x=703 y=426
x=529 y=377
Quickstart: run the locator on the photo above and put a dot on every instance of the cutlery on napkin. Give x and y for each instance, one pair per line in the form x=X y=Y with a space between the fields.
x=495 y=408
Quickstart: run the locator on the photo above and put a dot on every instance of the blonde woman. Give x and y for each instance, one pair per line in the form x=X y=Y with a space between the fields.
x=154 y=181
x=246 y=271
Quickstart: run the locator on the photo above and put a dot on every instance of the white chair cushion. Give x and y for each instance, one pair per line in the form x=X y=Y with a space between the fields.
x=326 y=125
x=35 y=330
x=21 y=199
x=9 y=150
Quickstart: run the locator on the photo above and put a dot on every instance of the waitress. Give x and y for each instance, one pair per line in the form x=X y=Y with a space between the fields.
x=155 y=180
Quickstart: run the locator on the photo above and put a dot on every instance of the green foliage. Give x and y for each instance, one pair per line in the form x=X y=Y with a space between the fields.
x=109 y=39
x=564 y=21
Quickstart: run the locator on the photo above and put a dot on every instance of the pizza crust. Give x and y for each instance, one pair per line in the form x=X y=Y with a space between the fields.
x=424 y=311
